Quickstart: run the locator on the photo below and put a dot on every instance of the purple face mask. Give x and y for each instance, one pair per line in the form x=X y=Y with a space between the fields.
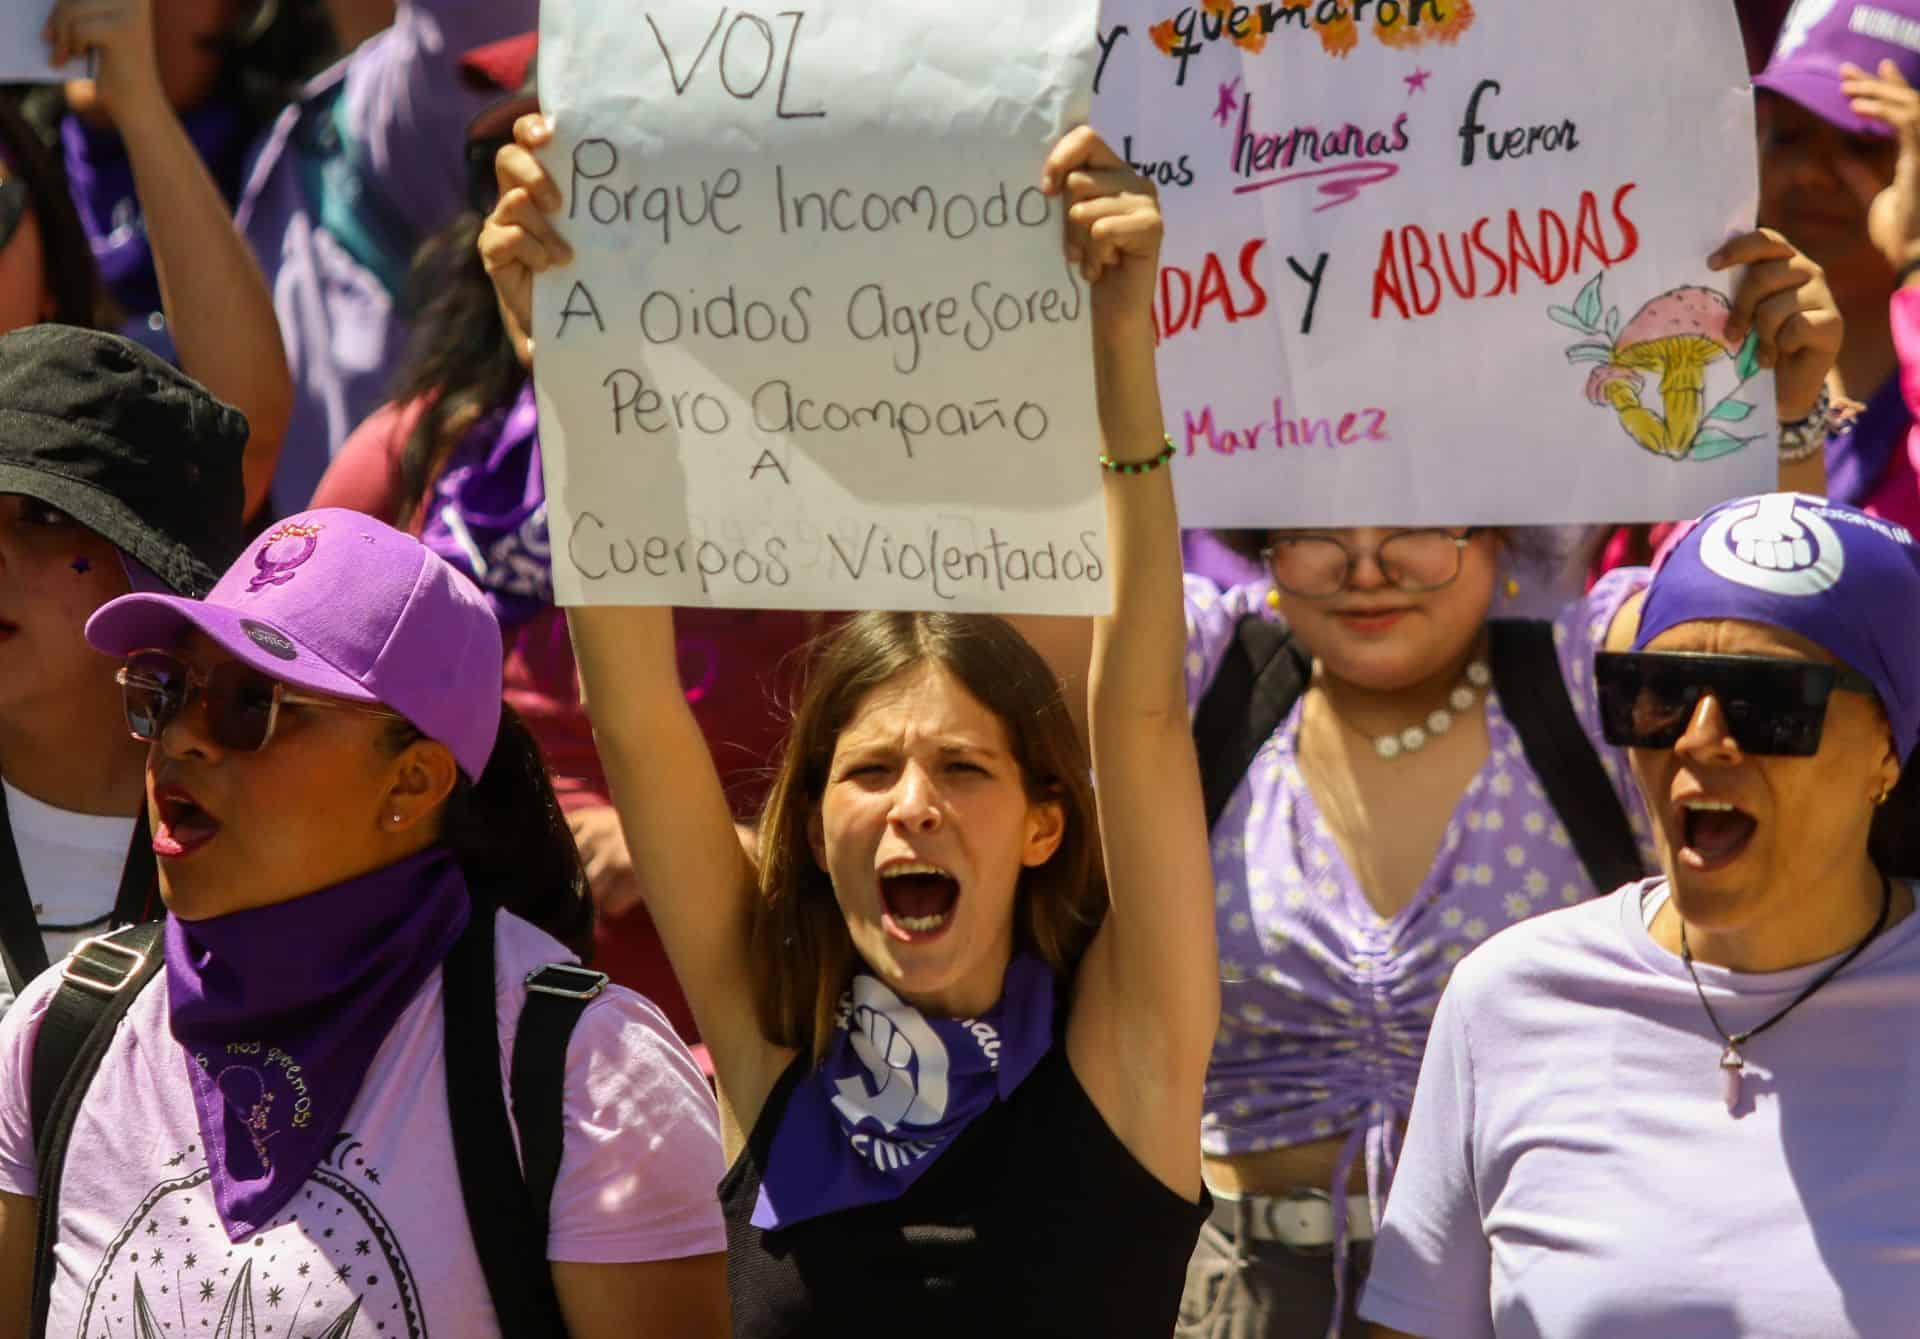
x=1844 y=580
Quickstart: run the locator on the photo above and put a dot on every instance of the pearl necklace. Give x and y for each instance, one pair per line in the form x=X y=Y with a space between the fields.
x=1416 y=737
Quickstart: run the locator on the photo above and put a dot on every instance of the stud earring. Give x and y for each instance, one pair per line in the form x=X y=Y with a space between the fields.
x=1273 y=600
x=1513 y=589
x=394 y=818
x=1881 y=799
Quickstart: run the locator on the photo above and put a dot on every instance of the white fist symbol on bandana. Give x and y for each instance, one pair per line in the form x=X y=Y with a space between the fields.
x=905 y=1059
x=1772 y=538
x=1779 y=543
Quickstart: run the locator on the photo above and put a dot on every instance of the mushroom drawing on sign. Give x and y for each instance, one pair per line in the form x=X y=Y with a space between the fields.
x=1671 y=342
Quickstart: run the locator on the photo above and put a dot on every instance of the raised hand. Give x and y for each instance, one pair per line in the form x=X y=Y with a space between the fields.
x=1783 y=297
x=519 y=240
x=1114 y=227
x=1893 y=211
x=120 y=32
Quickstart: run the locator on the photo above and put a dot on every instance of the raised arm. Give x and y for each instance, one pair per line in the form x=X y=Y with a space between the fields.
x=1147 y=1001
x=697 y=881
x=216 y=301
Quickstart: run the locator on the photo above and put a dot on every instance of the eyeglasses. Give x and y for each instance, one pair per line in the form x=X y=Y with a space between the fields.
x=1319 y=567
x=13 y=207
x=243 y=705
x=1774 y=707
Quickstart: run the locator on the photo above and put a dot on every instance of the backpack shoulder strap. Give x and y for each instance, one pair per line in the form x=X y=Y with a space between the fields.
x=506 y=1216
x=99 y=984
x=1264 y=673
x=26 y=952
x=557 y=995
x=1526 y=673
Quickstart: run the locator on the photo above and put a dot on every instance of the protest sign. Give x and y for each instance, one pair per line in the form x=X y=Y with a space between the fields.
x=819 y=347
x=23 y=51
x=1444 y=261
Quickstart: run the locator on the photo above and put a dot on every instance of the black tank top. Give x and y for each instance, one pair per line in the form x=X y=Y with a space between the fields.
x=1034 y=1221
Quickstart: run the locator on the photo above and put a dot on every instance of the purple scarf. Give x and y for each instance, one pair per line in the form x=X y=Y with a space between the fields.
x=895 y=1089
x=101 y=177
x=280 y=1009
x=487 y=512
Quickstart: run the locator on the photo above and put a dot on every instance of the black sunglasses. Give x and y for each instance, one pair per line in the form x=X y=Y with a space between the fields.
x=243 y=705
x=1773 y=706
x=13 y=207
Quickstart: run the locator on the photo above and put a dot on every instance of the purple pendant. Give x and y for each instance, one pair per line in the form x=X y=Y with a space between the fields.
x=1731 y=1067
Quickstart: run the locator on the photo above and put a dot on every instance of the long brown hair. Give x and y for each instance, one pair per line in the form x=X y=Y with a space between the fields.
x=801 y=953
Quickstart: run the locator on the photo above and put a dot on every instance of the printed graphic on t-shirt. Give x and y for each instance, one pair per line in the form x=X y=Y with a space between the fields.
x=336 y=1272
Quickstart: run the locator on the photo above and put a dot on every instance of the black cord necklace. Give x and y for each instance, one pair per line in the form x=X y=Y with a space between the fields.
x=1732 y=1063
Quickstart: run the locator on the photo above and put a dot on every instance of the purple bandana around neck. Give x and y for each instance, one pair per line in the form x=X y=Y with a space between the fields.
x=487 y=512
x=1846 y=581
x=280 y=1009
x=101 y=177
x=895 y=1089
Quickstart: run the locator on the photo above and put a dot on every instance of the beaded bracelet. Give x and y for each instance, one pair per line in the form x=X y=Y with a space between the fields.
x=1807 y=438
x=1112 y=466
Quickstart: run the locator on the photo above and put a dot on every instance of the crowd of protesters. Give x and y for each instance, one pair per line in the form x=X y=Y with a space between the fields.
x=1453 y=931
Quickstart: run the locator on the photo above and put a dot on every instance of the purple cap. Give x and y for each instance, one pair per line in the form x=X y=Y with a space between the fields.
x=1846 y=581
x=1822 y=35
x=338 y=603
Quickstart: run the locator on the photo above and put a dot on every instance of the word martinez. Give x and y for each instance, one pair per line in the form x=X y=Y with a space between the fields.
x=1196 y=28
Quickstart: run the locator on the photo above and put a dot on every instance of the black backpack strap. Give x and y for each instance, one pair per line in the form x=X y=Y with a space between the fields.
x=1526 y=674
x=508 y=1220
x=20 y=940
x=1264 y=673
x=98 y=985
x=20 y=936
x=557 y=995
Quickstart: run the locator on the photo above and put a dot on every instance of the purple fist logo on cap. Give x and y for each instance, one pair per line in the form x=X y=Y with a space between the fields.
x=278 y=570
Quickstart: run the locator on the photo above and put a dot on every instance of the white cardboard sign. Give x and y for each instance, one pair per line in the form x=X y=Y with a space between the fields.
x=819 y=347
x=1444 y=261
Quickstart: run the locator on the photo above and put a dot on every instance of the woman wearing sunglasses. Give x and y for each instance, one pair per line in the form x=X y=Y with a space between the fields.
x=1408 y=800
x=1679 y=1110
x=339 y=806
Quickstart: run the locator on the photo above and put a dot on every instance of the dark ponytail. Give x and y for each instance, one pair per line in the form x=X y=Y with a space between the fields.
x=512 y=841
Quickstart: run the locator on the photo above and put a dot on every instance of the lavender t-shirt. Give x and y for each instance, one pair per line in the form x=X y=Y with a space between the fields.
x=1571 y=1170
x=1324 y=1003
x=402 y=112
x=377 y=1232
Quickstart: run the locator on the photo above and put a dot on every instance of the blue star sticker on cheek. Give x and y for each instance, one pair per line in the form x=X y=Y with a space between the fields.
x=81 y=566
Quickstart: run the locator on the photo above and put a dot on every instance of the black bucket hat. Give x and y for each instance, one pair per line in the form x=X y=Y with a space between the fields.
x=131 y=448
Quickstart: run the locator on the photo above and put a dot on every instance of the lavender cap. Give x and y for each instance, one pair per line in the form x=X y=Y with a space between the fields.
x=1844 y=580
x=1822 y=35
x=336 y=602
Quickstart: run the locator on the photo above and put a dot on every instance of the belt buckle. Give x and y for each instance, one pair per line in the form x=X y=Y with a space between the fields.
x=1281 y=1212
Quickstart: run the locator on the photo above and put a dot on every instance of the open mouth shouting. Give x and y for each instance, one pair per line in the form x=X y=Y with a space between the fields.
x=917 y=900
x=180 y=826
x=1714 y=833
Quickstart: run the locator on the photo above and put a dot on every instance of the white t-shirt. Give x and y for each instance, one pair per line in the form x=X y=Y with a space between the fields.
x=72 y=863
x=1571 y=1169
x=378 y=1230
